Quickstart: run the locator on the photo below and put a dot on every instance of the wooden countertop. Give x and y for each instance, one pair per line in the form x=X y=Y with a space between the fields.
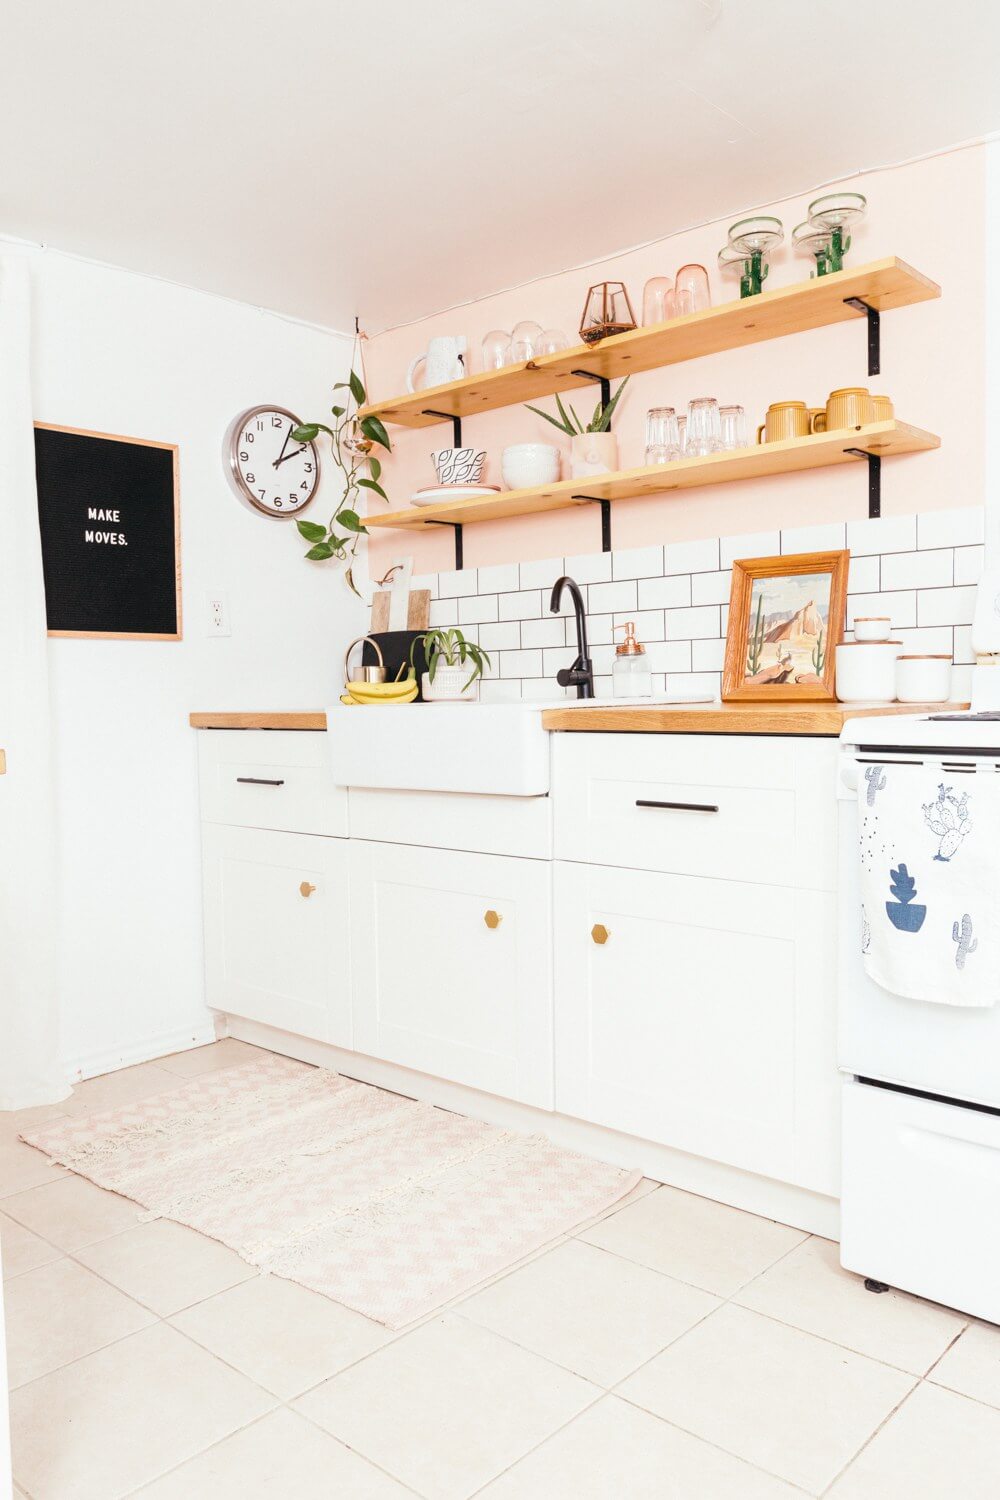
x=729 y=718
x=666 y=718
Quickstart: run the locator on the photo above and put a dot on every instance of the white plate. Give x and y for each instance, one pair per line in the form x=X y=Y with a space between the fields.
x=438 y=492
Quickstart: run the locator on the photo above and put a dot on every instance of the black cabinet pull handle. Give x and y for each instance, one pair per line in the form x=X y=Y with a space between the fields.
x=683 y=806
x=258 y=781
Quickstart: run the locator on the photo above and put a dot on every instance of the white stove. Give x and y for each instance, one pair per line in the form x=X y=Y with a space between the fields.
x=920 y=1197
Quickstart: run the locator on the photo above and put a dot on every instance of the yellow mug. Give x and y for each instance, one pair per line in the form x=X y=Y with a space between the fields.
x=882 y=409
x=788 y=419
x=850 y=406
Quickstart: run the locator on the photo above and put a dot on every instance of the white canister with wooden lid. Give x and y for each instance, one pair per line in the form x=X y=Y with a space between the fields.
x=923 y=679
x=866 y=671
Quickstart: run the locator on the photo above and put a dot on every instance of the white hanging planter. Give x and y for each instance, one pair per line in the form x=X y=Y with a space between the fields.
x=450 y=685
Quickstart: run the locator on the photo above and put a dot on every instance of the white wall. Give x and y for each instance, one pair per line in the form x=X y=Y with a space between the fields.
x=125 y=354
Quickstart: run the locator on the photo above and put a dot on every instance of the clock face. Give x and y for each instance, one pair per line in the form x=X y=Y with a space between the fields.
x=268 y=470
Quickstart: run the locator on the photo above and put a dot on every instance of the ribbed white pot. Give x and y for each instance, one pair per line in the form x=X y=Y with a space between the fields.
x=449 y=686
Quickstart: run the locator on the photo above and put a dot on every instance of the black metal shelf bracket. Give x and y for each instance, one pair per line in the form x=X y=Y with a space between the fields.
x=605 y=518
x=447 y=416
x=874 y=335
x=459 y=543
x=874 y=480
x=602 y=380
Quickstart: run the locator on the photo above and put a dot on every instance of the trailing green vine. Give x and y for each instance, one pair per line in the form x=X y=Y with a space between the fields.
x=351 y=443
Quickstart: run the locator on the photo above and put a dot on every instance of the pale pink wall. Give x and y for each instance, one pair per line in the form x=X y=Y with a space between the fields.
x=931 y=213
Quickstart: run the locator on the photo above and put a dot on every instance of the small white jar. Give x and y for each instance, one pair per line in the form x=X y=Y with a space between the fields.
x=923 y=679
x=872 y=627
x=866 y=671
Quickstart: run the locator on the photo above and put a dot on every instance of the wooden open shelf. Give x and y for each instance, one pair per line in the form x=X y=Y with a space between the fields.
x=883 y=284
x=822 y=450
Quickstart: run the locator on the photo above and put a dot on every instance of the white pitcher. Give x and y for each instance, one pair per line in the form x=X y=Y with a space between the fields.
x=445 y=360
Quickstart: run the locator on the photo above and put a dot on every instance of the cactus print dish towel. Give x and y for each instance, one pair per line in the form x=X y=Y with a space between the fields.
x=387 y=1205
x=930 y=882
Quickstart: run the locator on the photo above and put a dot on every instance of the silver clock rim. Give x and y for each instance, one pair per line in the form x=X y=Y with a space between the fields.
x=232 y=466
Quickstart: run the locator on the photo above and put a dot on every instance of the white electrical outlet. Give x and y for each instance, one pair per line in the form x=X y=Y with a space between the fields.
x=217 y=613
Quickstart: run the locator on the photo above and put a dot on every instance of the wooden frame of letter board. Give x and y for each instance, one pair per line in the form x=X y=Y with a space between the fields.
x=132 y=635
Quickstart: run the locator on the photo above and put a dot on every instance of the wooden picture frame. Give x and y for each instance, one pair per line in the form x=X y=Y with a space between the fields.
x=768 y=653
x=56 y=497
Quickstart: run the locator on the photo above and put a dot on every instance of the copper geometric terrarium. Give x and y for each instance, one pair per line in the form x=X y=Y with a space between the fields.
x=606 y=311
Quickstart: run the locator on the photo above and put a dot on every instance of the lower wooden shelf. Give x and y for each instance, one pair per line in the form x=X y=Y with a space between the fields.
x=820 y=451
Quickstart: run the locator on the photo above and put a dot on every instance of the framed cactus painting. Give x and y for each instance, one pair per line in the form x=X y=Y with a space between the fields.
x=786 y=615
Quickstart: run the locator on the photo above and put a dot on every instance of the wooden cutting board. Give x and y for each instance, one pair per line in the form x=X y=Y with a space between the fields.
x=418 y=615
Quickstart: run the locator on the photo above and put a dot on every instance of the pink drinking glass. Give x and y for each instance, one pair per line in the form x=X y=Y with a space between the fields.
x=691 y=293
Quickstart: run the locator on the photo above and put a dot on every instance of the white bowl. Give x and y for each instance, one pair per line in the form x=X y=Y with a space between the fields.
x=872 y=627
x=866 y=671
x=923 y=679
x=525 y=465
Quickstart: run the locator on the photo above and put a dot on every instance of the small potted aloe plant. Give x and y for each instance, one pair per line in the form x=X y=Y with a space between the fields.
x=448 y=678
x=593 y=448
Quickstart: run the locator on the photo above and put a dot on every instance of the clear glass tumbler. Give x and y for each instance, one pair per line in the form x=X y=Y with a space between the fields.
x=663 y=443
x=733 y=427
x=704 y=429
x=691 y=292
x=524 y=341
x=496 y=346
x=657 y=300
x=682 y=423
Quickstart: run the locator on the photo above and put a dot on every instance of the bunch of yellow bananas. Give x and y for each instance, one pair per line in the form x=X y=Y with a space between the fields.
x=380 y=692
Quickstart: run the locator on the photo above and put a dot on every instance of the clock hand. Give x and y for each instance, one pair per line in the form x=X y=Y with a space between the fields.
x=284 y=445
x=289 y=455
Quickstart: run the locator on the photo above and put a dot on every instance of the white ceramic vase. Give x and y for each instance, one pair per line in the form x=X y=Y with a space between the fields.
x=593 y=453
x=450 y=685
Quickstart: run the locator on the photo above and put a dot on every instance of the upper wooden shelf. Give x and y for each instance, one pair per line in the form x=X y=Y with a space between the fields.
x=883 y=284
x=823 y=449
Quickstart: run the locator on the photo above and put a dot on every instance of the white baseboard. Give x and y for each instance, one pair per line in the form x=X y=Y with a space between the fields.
x=146 y=1050
x=803 y=1209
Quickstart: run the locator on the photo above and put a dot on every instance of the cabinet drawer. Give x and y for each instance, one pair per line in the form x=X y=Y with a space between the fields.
x=754 y=808
x=270 y=778
x=277 y=929
x=520 y=826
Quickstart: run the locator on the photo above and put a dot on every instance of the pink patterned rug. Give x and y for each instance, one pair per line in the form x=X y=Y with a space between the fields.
x=387 y=1205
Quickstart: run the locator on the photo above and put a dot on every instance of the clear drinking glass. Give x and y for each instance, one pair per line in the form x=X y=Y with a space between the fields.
x=663 y=444
x=552 y=341
x=657 y=300
x=704 y=430
x=524 y=341
x=691 y=293
x=682 y=423
x=496 y=345
x=733 y=427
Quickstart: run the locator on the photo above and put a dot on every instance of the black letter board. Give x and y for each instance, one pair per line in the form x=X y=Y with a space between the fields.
x=109 y=515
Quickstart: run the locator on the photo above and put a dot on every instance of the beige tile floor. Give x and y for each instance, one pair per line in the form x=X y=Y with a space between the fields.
x=675 y=1349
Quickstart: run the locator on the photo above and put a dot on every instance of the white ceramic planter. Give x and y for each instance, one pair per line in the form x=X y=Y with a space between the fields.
x=923 y=679
x=449 y=686
x=593 y=453
x=866 y=671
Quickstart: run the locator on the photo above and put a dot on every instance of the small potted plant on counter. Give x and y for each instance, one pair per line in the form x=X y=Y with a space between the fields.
x=454 y=666
x=593 y=448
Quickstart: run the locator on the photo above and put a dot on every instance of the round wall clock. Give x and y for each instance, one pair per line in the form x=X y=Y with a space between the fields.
x=267 y=468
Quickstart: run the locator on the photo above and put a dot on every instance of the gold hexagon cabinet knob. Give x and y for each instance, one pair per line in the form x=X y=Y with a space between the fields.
x=493 y=920
x=305 y=889
x=599 y=933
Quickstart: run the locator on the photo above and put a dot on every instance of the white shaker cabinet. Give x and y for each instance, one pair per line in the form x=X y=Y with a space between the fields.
x=687 y=1012
x=277 y=929
x=452 y=965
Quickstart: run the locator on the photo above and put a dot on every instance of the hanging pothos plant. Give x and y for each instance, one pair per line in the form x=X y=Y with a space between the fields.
x=351 y=442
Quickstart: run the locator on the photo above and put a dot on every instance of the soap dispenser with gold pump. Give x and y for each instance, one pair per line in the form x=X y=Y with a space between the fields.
x=630 y=674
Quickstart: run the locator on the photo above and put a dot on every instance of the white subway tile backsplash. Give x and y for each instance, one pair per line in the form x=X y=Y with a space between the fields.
x=444 y=613
x=526 y=604
x=648 y=623
x=927 y=640
x=425 y=581
x=603 y=658
x=945 y=606
x=831 y=537
x=540 y=689
x=711 y=588
x=691 y=557
x=499 y=578
x=863 y=574
x=603 y=596
x=692 y=624
x=500 y=692
x=707 y=656
x=918 y=570
x=479 y=607
x=554 y=659
x=661 y=593
x=969 y=563
x=669 y=656
x=590 y=567
x=451 y=585
x=963 y=644
x=503 y=637
x=748 y=544
x=693 y=684
x=541 y=574
x=548 y=632
x=901 y=608
x=520 y=664
x=961 y=684
x=961 y=527
x=637 y=562
x=887 y=534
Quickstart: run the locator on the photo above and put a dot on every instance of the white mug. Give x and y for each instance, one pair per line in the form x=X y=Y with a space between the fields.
x=445 y=360
x=458 y=465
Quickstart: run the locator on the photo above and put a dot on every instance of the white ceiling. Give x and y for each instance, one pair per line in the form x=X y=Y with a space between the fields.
x=391 y=159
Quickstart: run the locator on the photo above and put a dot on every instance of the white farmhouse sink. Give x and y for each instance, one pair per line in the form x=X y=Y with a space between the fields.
x=497 y=748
